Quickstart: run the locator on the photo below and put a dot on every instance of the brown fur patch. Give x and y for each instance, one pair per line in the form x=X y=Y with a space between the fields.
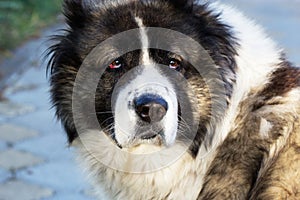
x=282 y=81
x=282 y=179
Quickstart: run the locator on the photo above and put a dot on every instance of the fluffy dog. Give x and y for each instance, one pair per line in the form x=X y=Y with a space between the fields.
x=172 y=99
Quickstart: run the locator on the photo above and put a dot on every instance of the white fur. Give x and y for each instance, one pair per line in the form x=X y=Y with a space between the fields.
x=103 y=160
x=145 y=42
x=265 y=127
x=258 y=56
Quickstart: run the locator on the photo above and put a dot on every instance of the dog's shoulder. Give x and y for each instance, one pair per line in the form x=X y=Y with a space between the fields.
x=262 y=149
x=279 y=108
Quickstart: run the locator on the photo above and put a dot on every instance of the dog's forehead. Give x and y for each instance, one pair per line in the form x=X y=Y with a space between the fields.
x=121 y=15
x=101 y=20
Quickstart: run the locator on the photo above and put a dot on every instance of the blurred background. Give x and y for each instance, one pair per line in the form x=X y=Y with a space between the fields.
x=21 y=21
x=35 y=162
x=24 y=18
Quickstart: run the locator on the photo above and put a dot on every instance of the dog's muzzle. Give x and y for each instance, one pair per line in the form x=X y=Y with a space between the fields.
x=150 y=109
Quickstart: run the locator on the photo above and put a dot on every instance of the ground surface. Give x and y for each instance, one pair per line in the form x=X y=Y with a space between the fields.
x=35 y=162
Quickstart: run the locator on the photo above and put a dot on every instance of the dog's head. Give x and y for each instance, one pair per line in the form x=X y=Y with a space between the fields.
x=152 y=82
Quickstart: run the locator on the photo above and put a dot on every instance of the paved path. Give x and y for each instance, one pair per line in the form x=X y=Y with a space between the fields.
x=35 y=162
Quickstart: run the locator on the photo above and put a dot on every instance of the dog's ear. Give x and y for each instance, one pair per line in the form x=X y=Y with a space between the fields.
x=74 y=12
x=183 y=4
x=78 y=11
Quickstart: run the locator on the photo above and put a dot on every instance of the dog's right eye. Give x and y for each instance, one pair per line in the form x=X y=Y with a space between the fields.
x=174 y=64
x=116 y=64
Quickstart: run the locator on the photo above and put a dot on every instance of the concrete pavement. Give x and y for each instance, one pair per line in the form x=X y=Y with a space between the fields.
x=35 y=162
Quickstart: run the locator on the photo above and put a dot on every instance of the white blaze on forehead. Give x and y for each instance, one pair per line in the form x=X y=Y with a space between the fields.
x=145 y=41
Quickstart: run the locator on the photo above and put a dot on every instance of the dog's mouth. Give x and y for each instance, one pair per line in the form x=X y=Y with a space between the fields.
x=145 y=136
x=155 y=141
x=150 y=137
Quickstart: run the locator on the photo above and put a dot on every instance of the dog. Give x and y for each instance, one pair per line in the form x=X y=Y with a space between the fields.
x=175 y=99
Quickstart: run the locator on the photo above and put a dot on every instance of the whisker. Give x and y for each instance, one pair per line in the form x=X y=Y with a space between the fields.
x=108 y=128
x=106 y=120
x=184 y=123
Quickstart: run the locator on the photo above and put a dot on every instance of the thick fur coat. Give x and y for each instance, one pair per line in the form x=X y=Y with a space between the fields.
x=250 y=150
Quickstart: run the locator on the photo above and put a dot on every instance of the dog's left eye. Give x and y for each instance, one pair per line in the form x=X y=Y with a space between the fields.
x=116 y=64
x=174 y=64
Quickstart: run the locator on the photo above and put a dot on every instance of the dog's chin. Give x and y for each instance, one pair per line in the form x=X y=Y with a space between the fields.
x=144 y=148
x=156 y=140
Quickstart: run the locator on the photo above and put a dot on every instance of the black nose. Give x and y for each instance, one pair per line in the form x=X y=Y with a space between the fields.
x=151 y=108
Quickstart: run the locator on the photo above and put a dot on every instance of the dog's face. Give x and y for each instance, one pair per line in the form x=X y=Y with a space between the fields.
x=141 y=94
